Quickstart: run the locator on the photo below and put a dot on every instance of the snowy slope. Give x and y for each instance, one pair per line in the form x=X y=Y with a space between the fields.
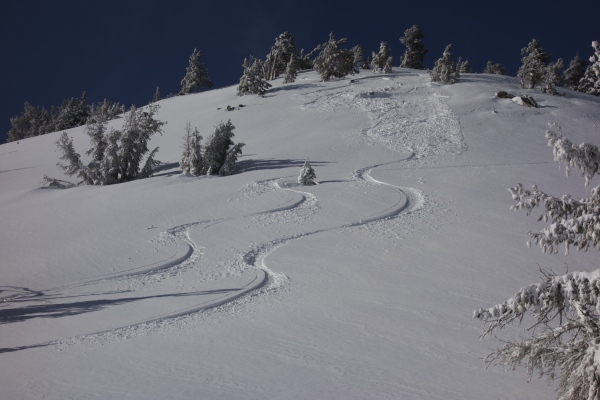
x=252 y=287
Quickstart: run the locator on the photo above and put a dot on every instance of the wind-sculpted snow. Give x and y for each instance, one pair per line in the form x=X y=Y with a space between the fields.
x=406 y=113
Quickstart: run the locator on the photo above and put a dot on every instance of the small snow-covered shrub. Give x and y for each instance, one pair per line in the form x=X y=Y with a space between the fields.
x=307 y=175
x=253 y=80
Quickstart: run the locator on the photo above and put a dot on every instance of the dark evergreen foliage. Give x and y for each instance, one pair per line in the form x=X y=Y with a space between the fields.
x=415 y=50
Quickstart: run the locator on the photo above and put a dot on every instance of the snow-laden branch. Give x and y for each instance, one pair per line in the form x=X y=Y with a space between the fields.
x=566 y=310
x=572 y=222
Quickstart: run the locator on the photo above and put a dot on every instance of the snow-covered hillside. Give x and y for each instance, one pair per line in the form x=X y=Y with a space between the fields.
x=253 y=287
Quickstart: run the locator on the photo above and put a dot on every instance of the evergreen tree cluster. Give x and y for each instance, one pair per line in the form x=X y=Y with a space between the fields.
x=73 y=112
x=116 y=155
x=282 y=53
x=253 y=80
x=538 y=70
x=333 y=60
x=496 y=69
x=219 y=155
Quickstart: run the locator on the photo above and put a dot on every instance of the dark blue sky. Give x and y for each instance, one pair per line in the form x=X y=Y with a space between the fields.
x=123 y=50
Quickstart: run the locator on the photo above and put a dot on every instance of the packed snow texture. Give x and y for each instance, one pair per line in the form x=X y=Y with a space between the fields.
x=252 y=286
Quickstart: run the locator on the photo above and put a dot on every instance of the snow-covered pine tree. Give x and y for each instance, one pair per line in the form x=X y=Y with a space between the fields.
x=231 y=159
x=291 y=71
x=359 y=58
x=306 y=60
x=105 y=111
x=415 y=50
x=192 y=162
x=497 y=69
x=590 y=83
x=553 y=77
x=196 y=74
x=280 y=55
x=138 y=128
x=253 y=80
x=73 y=165
x=72 y=112
x=34 y=121
x=564 y=343
x=307 y=175
x=465 y=67
x=532 y=71
x=217 y=146
x=184 y=164
x=382 y=60
x=196 y=160
x=445 y=70
x=96 y=130
x=573 y=74
x=116 y=157
x=111 y=163
x=333 y=60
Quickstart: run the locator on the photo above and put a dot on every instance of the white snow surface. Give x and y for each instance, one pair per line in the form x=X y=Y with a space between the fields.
x=253 y=287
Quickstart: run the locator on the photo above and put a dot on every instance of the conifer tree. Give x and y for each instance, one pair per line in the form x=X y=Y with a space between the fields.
x=192 y=162
x=552 y=77
x=231 y=159
x=590 y=83
x=34 y=121
x=72 y=112
x=253 y=80
x=280 y=55
x=291 y=71
x=307 y=175
x=118 y=155
x=196 y=75
x=105 y=111
x=359 y=59
x=111 y=163
x=382 y=60
x=532 y=71
x=334 y=61
x=217 y=146
x=497 y=69
x=465 y=67
x=445 y=70
x=574 y=73
x=415 y=50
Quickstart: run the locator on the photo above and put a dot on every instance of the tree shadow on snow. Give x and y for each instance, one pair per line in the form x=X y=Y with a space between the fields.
x=12 y=315
x=293 y=86
x=269 y=163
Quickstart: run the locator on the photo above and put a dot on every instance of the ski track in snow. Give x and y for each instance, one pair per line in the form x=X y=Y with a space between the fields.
x=425 y=129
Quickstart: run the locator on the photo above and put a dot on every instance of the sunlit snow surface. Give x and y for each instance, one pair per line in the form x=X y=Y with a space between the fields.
x=251 y=286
